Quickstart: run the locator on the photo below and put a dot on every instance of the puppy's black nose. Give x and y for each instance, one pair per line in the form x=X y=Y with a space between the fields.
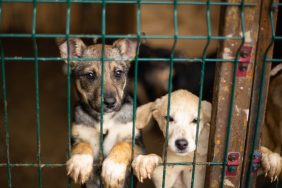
x=181 y=144
x=109 y=102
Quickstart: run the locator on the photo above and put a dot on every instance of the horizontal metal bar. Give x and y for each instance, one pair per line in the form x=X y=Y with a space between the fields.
x=191 y=163
x=139 y=59
x=110 y=59
x=49 y=165
x=132 y=2
x=55 y=165
x=277 y=38
x=274 y=60
x=192 y=37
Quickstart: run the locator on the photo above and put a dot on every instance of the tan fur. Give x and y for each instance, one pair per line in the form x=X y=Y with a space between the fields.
x=82 y=148
x=144 y=115
x=272 y=131
x=121 y=152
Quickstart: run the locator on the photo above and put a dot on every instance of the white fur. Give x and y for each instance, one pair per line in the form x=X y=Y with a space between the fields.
x=80 y=167
x=116 y=132
x=271 y=163
x=113 y=173
x=89 y=135
x=144 y=165
x=183 y=110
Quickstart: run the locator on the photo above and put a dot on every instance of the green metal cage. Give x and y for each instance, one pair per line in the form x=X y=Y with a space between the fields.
x=253 y=14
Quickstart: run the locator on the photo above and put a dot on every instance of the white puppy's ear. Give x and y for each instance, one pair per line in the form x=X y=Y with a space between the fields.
x=206 y=110
x=144 y=115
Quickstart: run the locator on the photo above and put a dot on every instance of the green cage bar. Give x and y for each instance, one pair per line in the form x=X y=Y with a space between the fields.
x=5 y=115
x=67 y=36
x=135 y=85
x=7 y=140
x=36 y=64
x=175 y=26
x=201 y=86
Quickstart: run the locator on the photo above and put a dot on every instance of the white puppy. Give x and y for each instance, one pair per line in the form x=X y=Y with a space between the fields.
x=181 y=139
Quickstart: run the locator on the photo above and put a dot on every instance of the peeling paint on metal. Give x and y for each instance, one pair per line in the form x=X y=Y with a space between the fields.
x=227 y=53
x=247 y=113
x=228 y=183
x=248 y=37
x=237 y=109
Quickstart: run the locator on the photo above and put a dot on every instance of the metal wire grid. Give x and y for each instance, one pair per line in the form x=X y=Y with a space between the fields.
x=34 y=35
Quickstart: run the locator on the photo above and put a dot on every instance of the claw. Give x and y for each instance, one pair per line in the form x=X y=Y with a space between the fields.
x=69 y=172
x=149 y=176
x=271 y=179
x=141 y=179
x=265 y=174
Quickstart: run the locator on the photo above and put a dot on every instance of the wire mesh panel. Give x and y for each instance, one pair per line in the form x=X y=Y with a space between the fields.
x=242 y=75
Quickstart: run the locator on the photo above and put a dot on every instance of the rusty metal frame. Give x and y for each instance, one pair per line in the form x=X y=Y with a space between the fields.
x=236 y=100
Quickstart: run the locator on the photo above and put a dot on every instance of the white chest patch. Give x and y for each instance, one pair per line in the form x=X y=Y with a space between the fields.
x=115 y=132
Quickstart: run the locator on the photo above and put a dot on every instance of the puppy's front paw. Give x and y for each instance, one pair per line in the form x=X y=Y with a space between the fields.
x=113 y=173
x=271 y=163
x=144 y=165
x=79 y=167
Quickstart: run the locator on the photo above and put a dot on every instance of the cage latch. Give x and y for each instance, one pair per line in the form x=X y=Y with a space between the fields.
x=233 y=161
x=244 y=60
x=256 y=161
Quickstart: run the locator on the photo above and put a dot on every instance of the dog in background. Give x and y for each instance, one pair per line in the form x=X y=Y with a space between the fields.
x=181 y=139
x=153 y=76
x=117 y=119
x=272 y=130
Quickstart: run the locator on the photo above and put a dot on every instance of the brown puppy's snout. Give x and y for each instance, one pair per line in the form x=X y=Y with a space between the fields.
x=109 y=101
x=181 y=144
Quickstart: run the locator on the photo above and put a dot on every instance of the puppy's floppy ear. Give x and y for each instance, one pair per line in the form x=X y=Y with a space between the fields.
x=76 y=47
x=207 y=110
x=127 y=48
x=144 y=115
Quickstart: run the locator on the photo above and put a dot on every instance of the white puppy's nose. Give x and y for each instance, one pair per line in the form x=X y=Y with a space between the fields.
x=181 y=144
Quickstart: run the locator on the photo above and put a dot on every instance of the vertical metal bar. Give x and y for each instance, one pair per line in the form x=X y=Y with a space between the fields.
x=201 y=88
x=6 y=127
x=138 y=17
x=68 y=13
x=263 y=88
x=37 y=98
x=102 y=81
x=102 y=76
x=4 y=94
x=233 y=93
x=175 y=21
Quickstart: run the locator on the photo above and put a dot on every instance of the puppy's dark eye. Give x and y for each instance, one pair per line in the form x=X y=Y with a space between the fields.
x=118 y=73
x=90 y=75
x=195 y=120
x=170 y=119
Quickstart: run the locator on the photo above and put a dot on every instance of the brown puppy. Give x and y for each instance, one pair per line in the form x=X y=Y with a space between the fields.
x=117 y=119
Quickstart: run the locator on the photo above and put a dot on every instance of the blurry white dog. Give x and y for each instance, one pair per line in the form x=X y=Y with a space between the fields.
x=181 y=139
